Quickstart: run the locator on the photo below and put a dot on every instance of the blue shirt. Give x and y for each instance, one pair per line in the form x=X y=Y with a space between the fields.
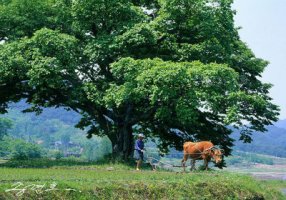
x=139 y=145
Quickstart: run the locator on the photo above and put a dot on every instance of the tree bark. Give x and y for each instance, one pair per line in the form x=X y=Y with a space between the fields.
x=123 y=144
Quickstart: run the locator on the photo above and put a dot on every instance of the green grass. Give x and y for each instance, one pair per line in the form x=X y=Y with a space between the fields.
x=108 y=181
x=278 y=184
x=62 y=163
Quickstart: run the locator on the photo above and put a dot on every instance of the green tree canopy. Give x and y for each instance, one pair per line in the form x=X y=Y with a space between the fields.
x=173 y=69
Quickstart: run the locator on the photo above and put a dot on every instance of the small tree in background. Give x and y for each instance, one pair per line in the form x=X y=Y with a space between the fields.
x=5 y=125
x=58 y=155
x=22 y=150
x=96 y=149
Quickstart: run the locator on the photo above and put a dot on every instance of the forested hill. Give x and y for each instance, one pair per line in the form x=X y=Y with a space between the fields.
x=53 y=130
x=68 y=117
x=59 y=123
x=271 y=142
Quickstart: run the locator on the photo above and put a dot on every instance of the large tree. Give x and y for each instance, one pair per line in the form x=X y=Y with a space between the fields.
x=173 y=69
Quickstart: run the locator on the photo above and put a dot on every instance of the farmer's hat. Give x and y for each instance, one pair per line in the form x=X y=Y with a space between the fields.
x=141 y=135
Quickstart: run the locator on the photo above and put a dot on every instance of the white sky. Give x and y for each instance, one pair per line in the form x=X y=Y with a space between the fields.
x=263 y=25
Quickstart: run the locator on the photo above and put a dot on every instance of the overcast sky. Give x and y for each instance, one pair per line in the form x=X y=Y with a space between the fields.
x=263 y=25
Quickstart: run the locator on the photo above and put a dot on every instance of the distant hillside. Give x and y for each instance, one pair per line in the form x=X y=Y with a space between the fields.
x=270 y=143
x=54 y=124
x=54 y=131
x=68 y=117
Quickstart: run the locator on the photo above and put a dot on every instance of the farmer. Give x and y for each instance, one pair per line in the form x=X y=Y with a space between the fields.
x=139 y=149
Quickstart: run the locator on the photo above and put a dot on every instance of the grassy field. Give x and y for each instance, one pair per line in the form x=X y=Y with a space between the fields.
x=118 y=181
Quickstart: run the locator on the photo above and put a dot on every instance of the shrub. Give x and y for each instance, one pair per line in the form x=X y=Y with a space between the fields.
x=23 y=150
x=58 y=155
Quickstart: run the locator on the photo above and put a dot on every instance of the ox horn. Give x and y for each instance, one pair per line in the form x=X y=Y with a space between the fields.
x=222 y=151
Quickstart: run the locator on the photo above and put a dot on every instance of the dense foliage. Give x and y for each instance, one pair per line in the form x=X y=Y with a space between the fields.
x=19 y=149
x=173 y=69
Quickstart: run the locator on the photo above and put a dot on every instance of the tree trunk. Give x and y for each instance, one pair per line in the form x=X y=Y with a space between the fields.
x=123 y=144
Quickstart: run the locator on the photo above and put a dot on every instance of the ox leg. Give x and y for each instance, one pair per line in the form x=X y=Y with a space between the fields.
x=184 y=162
x=206 y=162
x=193 y=162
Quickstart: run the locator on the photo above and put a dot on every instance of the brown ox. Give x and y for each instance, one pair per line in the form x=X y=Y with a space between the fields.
x=203 y=150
